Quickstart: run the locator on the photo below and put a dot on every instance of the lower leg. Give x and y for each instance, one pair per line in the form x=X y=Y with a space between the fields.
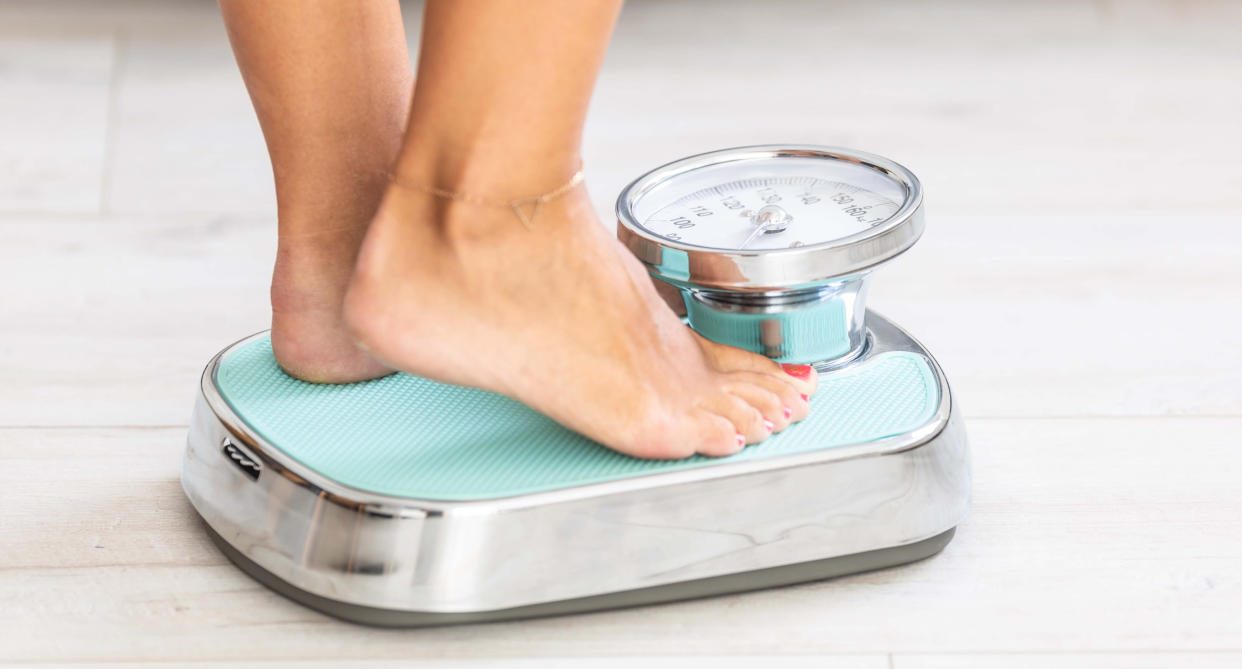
x=331 y=84
x=558 y=316
x=503 y=92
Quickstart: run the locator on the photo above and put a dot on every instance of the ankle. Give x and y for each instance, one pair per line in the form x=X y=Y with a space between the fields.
x=308 y=277
x=488 y=170
x=466 y=216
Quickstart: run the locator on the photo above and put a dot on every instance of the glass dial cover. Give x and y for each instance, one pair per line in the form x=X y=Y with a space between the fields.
x=783 y=214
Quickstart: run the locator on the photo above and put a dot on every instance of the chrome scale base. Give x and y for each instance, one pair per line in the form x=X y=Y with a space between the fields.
x=385 y=560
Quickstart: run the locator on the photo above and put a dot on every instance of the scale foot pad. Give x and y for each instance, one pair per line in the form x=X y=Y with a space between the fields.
x=412 y=437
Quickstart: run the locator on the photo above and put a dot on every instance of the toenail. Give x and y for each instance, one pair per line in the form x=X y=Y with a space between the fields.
x=797 y=371
x=769 y=425
x=805 y=398
x=788 y=412
x=741 y=440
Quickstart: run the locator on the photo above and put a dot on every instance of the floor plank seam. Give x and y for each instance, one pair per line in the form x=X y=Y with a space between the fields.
x=112 y=120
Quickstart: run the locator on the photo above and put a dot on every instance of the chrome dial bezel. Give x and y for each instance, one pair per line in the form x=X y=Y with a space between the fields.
x=696 y=266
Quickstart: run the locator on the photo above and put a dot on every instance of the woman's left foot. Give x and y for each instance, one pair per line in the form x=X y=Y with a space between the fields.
x=309 y=337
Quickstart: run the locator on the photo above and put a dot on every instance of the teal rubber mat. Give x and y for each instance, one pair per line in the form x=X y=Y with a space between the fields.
x=410 y=437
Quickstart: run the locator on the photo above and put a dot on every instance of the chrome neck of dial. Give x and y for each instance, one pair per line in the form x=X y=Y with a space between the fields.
x=824 y=325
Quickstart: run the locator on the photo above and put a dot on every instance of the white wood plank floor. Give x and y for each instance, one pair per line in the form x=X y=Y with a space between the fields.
x=1081 y=281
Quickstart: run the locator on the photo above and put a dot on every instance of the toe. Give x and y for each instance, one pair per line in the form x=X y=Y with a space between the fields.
x=803 y=377
x=658 y=436
x=731 y=359
x=716 y=436
x=767 y=402
x=747 y=420
x=794 y=404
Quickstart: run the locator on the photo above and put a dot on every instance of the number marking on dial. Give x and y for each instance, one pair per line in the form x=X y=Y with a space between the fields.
x=819 y=210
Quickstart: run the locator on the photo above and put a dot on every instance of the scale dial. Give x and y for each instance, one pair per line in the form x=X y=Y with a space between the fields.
x=770 y=218
x=771 y=213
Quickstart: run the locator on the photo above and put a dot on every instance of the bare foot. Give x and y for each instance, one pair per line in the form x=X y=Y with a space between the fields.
x=309 y=337
x=561 y=318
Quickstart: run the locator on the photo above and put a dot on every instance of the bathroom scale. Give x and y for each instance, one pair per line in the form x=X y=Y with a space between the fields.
x=402 y=501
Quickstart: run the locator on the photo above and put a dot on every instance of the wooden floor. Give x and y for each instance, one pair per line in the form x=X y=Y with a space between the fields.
x=1080 y=280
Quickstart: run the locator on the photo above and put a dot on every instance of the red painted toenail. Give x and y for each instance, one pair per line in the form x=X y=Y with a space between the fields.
x=741 y=440
x=788 y=412
x=769 y=425
x=805 y=398
x=797 y=371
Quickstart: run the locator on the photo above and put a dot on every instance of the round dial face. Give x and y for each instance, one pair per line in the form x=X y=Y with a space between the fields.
x=772 y=212
x=764 y=202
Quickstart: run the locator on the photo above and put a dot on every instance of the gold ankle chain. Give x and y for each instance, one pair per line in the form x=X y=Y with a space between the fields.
x=518 y=206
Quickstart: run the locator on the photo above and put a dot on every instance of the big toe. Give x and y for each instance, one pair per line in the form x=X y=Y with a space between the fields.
x=725 y=358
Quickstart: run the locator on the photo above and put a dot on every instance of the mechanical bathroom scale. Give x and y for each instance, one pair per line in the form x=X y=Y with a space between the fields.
x=403 y=501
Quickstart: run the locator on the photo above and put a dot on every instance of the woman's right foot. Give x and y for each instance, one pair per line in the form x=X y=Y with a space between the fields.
x=561 y=318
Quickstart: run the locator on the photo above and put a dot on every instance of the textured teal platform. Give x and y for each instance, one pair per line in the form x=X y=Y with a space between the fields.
x=410 y=437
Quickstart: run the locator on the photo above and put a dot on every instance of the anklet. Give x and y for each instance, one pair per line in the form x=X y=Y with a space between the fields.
x=533 y=202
